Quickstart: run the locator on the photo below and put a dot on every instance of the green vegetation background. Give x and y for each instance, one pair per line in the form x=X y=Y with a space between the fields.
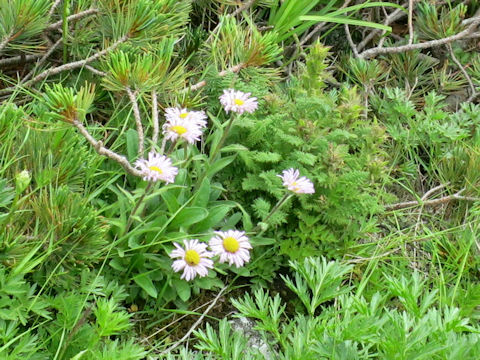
x=381 y=262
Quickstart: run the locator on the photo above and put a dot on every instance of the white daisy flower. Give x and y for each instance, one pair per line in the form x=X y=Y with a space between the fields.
x=177 y=113
x=232 y=246
x=183 y=129
x=194 y=259
x=157 y=167
x=301 y=185
x=238 y=101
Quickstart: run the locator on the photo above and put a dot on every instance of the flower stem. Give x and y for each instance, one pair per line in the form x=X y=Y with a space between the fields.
x=222 y=140
x=172 y=147
x=277 y=206
x=66 y=10
x=215 y=151
x=137 y=205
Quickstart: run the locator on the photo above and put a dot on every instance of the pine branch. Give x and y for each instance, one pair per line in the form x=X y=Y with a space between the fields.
x=41 y=61
x=20 y=59
x=54 y=6
x=102 y=150
x=95 y=71
x=69 y=66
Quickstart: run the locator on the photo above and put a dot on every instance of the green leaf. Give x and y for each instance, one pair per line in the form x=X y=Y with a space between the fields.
x=188 y=216
x=144 y=281
x=261 y=241
x=183 y=289
x=219 y=165
x=364 y=6
x=345 y=20
x=132 y=143
x=79 y=355
x=234 y=148
x=203 y=194
x=209 y=283
x=170 y=200
x=215 y=215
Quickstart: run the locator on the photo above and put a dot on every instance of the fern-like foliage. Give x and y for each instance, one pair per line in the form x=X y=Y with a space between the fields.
x=324 y=137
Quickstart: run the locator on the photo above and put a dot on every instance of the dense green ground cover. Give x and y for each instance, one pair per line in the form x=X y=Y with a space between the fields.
x=381 y=262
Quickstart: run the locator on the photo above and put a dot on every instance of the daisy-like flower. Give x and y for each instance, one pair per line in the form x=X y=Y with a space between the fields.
x=238 y=101
x=177 y=113
x=185 y=129
x=301 y=185
x=194 y=259
x=232 y=246
x=157 y=167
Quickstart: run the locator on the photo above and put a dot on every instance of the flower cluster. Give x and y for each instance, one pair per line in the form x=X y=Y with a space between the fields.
x=188 y=125
x=231 y=246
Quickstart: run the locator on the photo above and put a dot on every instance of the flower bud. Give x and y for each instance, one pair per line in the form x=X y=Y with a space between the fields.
x=22 y=180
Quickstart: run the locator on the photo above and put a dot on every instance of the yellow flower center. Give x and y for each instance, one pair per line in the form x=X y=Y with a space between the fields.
x=183 y=115
x=239 y=102
x=231 y=244
x=192 y=257
x=156 y=168
x=179 y=129
x=296 y=188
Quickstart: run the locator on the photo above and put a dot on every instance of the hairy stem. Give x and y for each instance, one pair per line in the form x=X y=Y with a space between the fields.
x=156 y=128
x=277 y=206
x=138 y=121
x=137 y=205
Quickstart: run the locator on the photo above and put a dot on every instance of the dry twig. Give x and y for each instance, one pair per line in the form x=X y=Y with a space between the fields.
x=410 y=22
x=350 y=41
x=158 y=331
x=194 y=326
x=394 y=16
x=439 y=201
x=308 y=35
x=473 y=92
x=425 y=45
x=425 y=197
